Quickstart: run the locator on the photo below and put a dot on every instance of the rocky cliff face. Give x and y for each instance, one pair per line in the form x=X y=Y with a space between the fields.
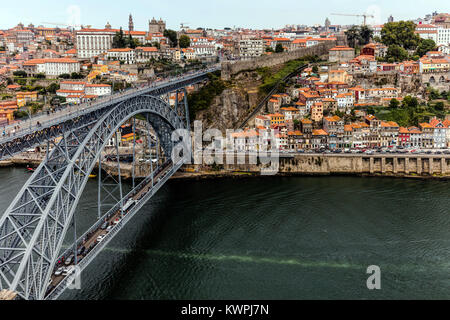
x=408 y=84
x=230 y=109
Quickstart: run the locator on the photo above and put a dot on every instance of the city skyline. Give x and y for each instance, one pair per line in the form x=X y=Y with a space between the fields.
x=199 y=13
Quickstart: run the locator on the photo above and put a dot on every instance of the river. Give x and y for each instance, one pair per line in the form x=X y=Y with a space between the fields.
x=272 y=238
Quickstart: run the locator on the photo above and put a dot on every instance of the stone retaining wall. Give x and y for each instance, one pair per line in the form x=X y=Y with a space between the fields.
x=230 y=68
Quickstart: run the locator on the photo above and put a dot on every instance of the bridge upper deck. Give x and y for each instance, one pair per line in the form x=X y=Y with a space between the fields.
x=17 y=140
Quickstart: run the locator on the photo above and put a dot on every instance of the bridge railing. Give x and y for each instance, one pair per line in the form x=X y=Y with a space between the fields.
x=29 y=126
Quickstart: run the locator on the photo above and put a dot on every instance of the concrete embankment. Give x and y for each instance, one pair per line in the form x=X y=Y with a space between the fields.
x=393 y=165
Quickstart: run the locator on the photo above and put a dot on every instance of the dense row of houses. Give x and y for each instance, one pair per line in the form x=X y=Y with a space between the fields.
x=335 y=134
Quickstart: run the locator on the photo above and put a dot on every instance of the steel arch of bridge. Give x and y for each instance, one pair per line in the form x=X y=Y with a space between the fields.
x=33 y=228
x=36 y=136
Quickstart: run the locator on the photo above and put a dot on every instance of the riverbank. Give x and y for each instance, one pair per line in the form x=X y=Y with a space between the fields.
x=394 y=166
x=216 y=175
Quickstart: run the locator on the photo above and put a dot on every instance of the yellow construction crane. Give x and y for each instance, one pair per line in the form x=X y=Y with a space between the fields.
x=365 y=15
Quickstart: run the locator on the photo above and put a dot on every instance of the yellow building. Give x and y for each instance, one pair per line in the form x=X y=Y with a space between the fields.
x=92 y=75
x=434 y=65
x=338 y=76
x=7 y=109
x=317 y=112
x=103 y=68
x=24 y=97
x=276 y=118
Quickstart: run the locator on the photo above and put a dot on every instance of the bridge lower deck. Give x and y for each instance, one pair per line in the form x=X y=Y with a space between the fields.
x=90 y=242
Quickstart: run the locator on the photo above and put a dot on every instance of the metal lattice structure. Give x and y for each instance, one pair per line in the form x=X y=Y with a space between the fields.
x=34 y=226
x=38 y=135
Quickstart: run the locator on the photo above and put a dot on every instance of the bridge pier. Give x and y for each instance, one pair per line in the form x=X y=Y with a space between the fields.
x=419 y=166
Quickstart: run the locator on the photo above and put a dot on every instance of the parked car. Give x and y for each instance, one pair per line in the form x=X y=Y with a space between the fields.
x=59 y=271
x=69 y=260
x=100 y=238
x=81 y=250
x=68 y=270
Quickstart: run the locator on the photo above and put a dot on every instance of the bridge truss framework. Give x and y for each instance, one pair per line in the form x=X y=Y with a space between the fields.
x=33 y=228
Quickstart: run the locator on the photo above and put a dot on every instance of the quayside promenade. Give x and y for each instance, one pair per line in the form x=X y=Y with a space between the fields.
x=412 y=165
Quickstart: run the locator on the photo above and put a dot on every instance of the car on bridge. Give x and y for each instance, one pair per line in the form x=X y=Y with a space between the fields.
x=68 y=270
x=100 y=238
x=129 y=205
x=104 y=225
x=59 y=271
x=81 y=250
x=69 y=260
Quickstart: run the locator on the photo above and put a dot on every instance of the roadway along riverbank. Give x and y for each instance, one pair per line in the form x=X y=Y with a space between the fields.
x=397 y=165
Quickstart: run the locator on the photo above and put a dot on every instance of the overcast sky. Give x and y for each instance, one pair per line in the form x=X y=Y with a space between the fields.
x=211 y=13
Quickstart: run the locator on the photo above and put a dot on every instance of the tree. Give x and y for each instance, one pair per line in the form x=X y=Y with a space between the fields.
x=53 y=87
x=340 y=114
x=394 y=104
x=269 y=49
x=20 y=114
x=76 y=75
x=410 y=102
x=20 y=73
x=279 y=48
x=396 y=53
x=172 y=35
x=119 y=40
x=184 y=41
x=365 y=34
x=352 y=35
x=359 y=35
x=315 y=69
x=40 y=76
x=439 y=106
x=424 y=46
x=131 y=43
x=400 y=33
x=65 y=76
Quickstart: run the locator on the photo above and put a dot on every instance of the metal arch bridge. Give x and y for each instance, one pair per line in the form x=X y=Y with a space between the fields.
x=33 y=228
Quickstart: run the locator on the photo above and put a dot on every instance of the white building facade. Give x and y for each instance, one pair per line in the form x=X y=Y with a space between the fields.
x=92 y=42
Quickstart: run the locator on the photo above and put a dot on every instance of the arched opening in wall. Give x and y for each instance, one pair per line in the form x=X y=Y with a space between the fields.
x=441 y=79
x=432 y=80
